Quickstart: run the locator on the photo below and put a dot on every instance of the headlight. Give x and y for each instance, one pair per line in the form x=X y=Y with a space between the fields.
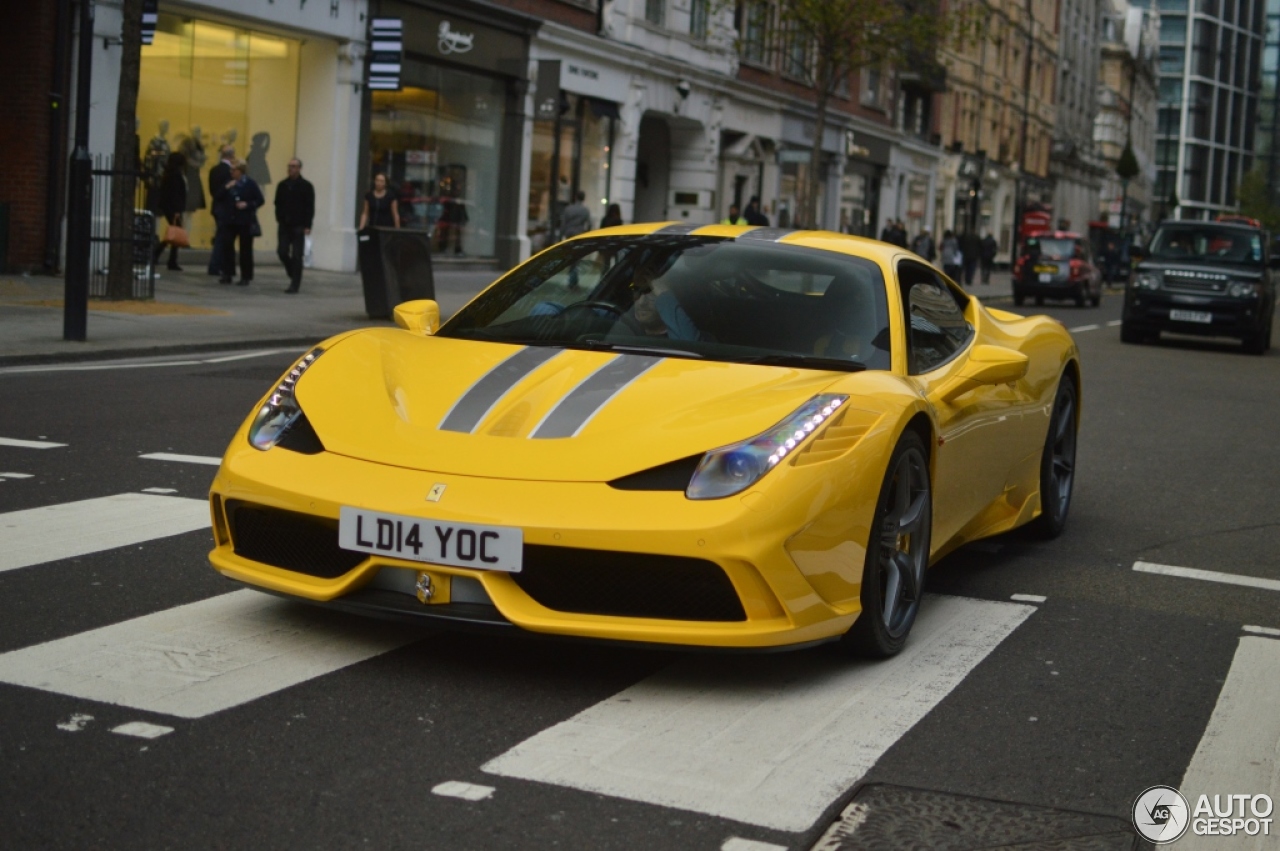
x=281 y=408
x=1242 y=289
x=732 y=469
x=1146 y=281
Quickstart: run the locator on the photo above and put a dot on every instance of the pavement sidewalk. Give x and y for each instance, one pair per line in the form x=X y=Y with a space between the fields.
x=192 y=311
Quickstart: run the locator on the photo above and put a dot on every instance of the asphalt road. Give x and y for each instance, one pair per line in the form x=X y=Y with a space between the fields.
x=1092 y=695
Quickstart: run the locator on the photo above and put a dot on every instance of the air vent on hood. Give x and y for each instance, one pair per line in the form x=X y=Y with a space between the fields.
x=833 y=441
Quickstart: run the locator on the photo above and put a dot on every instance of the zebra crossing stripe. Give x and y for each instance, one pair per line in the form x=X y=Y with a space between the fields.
x=193 y=660
x=1240 y=749
x=52 y=532
x=766 y=740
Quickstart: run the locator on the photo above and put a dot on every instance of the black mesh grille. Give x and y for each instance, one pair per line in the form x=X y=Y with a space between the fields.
x=298 y=542
x=600 y=582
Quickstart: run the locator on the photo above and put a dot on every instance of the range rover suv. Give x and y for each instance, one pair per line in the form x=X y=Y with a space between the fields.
x=1212 y=279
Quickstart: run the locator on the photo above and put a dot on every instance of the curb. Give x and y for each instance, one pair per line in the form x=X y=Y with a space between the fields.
x=158 y=351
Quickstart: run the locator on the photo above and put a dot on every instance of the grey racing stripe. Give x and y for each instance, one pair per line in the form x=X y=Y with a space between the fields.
x=676 y=230
x=472 y=407
x=572 y=413
x=767 y=234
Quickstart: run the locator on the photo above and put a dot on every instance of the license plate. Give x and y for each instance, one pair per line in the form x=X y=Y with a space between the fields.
x=1191 y=316
x=1051 y=270
x=431 y=541
x=1045 y=277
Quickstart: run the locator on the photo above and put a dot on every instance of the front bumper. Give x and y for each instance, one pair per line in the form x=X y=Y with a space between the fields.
x=569 y=529
x=1231 y=317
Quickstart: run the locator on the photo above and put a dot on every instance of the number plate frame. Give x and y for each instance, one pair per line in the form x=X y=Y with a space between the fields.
x=1198 y=316
x=429 y=541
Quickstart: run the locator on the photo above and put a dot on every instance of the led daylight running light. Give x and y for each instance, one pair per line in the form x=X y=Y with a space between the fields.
x=281 y=409
x=732 y=469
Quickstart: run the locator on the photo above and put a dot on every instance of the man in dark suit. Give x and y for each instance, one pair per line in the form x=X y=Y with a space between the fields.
x=295 y=208
x=219 y=177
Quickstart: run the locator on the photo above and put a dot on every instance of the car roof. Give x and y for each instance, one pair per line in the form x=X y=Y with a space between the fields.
x=859 y=246
x=1202 y=224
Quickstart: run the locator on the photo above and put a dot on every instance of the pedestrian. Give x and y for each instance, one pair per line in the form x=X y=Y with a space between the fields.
x=754 y=215
x=923 y=245
x=886 y=233
x=172 y=203
x=219 y=176
x=244 y=197
x=971 y=251
x=900 y=230
x=734 y=217
x=380 y=207
x=575 y=218
x=612 y=217
x=989 y=249
x=952 y=259
x=295 y=208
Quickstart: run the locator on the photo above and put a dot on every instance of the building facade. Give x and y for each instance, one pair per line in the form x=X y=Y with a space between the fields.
x=1127 y=102
x=1076 y=167
x=1210 y=74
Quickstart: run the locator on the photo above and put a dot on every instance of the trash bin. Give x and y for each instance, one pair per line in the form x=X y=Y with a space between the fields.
x=395 y=267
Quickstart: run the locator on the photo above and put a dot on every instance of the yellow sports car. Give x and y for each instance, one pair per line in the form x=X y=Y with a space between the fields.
x=718 y=436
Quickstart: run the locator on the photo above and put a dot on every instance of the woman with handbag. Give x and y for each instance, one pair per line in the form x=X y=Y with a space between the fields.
x=172 y=202
x=242 y=222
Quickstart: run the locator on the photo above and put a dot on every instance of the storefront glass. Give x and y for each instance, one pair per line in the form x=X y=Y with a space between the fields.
x=438 y=142
x=204 y=85
x=793 y=187
x=580 y=162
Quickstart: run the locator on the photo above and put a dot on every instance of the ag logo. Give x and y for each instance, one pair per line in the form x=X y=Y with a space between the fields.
x=1160 y=815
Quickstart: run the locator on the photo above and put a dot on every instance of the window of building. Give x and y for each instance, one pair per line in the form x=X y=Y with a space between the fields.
x=753 y=29
x=578 y=160
x=796 y=57
x=698 y=14
x=204 y=85
x=1173 y=29
x=1173 y=5
x=655 y=11
x=1172 y=59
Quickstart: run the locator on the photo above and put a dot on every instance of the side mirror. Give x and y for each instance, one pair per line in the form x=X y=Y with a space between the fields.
x=987 y=366
x=418 y=317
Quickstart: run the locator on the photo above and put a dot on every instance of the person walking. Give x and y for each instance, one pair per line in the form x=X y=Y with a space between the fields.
x=380 y=207
x=171 y=203
x=753 y=214
x=575 y=218
x=952 y=259
x=923 y=245
x=612 y=217
x=988 y=257
x=244 y=197
x=219 y=177
x=971 y=251
x=295 y=204
x=734 y=217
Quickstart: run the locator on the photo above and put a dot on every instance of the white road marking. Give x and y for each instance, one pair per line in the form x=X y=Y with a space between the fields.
x=465 y=791
x=75 y=723
x=191 y=661
x=1240 y=749
x=1208 y=575
x=54 y=532
x=134 y=363
x=159 y=490
x=15 y=475
x=1262 y=630
x=142 y=730
x=1028 y=598
x=765 y=740
x=29 y=444
x=1115 y=323
x=1080 y=328
x=737 y=843
x=183 y=459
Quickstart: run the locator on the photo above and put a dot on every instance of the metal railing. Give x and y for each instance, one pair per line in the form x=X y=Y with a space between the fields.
x=142 y=236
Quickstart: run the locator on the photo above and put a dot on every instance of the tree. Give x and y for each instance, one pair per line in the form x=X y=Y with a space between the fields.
x=823 y=42
x=127 y=155
x=1255 y=200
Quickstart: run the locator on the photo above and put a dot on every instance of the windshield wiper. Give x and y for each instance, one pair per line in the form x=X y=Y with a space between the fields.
x=625 y=348
x=806 y=362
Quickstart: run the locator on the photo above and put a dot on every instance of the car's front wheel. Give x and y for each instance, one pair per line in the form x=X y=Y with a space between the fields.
x=897 y=554
x=1058 y=462
x=1259 y=343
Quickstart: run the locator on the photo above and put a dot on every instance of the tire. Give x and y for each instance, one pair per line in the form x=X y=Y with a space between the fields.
x=1258 y=344
x=1039 y=301
x=1058 y=463
x=897 y=555
x=1018 y=298
x=1096 y=300
x=1130 y=333
x=1078 y=296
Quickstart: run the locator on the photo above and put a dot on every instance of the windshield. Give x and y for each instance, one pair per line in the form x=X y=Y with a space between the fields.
x=1053 y=249
x=1207 y=244
x=694 y=297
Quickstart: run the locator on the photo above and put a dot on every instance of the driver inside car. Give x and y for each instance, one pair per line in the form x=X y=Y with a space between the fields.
x=656 y=308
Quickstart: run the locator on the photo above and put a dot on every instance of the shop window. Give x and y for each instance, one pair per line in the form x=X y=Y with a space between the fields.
x=570 y=155
x=204 y=85
x=438 y=142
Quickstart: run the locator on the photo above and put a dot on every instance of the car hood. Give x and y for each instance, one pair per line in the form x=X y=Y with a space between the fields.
x=515 y=412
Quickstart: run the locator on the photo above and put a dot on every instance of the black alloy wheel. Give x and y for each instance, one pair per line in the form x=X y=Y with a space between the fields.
x=897 y=555
x=1058 y=462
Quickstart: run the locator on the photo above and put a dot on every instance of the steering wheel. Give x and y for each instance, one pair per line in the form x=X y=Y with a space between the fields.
x=592 y=304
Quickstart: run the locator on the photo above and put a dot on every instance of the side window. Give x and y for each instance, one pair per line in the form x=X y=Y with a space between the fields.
x=936 y=327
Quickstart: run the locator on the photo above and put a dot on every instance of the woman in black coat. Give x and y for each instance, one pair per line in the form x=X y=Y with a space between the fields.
x=245 y=197
x=172 y=202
